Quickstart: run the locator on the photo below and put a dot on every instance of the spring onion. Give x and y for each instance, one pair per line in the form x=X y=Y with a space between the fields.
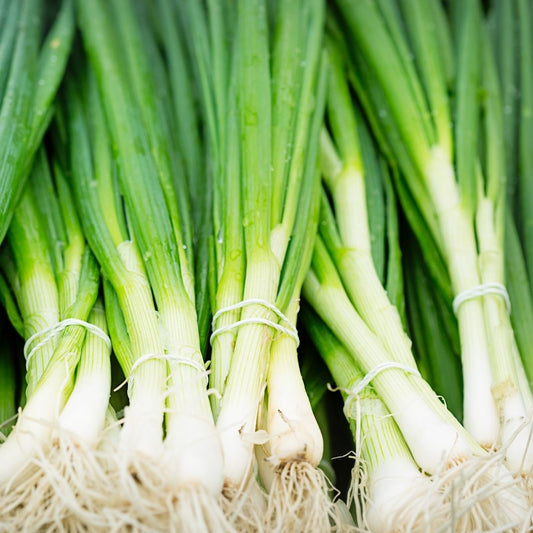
x=53 y=282
x=261 y=98
x=458 y=189
x=345 y=290
x=392 y=492
x=147 y=260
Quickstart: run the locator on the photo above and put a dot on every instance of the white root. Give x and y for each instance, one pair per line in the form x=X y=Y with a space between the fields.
x=145 y=499
x=301 y=499
x=61 y=490
x=478 y=494
x=245 y=506
x=71 y=487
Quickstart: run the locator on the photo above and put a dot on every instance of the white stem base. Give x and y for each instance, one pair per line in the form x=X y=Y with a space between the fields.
x=393 y=486
x=85 y=411
x=31 y=435
x=193 y=455
x=516 y=434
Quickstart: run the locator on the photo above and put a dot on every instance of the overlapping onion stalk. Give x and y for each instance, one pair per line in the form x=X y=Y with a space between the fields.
x=432 y=95
x=260 y=72
x=134 y=202
x=345 y=290
x=50 y=286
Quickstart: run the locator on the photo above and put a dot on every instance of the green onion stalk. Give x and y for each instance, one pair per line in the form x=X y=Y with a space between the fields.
x=510 y=24
x=511 y=389
x=451 y=184
x=168 y=460
x=35 y=43
x=522 y=159
x=262 y=93
x=388 y=490
x=190 y=146
x=210 y=36
x=509 y=28
x=50 y=287
x=347 y=290
x=436 y=442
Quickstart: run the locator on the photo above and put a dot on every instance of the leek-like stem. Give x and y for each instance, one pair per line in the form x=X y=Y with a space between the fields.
x=456 y=226
x=143 y=424
x=451 y=442
x=294 y=434
x=237 y=418
x=511 y=390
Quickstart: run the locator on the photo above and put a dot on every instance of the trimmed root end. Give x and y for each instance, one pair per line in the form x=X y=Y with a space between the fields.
x=477 y=494
x=300 y=499
x=145 y=500
x=244 y=507
x=73 y=488
x=62 y=491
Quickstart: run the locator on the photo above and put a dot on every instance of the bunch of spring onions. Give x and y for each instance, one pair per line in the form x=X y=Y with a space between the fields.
x=165 y=468
x=451 y=186
x=209 y=162
x=344 y=288
x=510 y=32
x=49 y=279
x=261 y=78
x=50 y=286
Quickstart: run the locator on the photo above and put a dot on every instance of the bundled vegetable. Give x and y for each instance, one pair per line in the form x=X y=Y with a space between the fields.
x=452 y=186
x=211 y=161
x=510 y=25
x=262 y=94
x=389 y=491
x=50 y=287
x=345 y=290
x=144 y=249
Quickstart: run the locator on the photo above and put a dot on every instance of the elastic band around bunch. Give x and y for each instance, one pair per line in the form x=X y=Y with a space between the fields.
x=289 y=329
x=361 y=384
x=371 y=408
x=164 y=357
x=50 y=332
x=479 y=291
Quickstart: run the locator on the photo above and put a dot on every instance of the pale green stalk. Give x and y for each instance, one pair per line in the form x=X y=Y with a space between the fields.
x=439 y=445
x=511 y=389
x=51 y=259
x=157 y=224
x=426 y=161
x=386 y=479
x=346 y=231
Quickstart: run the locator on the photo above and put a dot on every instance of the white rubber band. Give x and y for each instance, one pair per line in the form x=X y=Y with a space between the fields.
x=289 y=329
x=482 y=290
x=361 y=384
x=49 y=333
x=165 y=357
